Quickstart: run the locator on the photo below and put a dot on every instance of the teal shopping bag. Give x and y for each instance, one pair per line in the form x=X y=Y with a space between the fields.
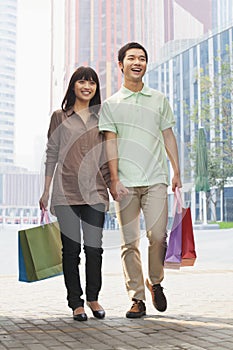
x=39 y=252
x=22 y=270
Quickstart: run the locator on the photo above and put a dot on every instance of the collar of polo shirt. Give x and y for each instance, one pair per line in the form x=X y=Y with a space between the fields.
x=127 y=93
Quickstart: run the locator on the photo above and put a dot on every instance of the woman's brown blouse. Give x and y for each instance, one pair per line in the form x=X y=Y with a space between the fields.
x=76 y=153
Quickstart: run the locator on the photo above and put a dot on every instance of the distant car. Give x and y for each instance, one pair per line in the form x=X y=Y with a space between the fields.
x=34 y=220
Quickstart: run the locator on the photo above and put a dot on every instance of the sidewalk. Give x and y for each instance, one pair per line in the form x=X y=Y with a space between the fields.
x=199 y=316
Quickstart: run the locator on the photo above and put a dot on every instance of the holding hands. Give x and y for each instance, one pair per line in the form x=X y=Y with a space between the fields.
x=118 y=190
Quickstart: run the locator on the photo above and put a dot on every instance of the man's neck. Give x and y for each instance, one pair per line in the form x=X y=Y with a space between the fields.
x=133 y=86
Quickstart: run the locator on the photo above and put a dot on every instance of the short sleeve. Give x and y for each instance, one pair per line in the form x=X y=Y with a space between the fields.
x=106 y=122
x=167 y=117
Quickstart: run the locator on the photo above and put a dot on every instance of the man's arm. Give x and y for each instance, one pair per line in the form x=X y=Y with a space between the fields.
x=117 y=189
x=172 y=152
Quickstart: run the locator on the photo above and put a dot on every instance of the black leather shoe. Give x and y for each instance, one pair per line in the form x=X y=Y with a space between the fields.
x=80 y=317
x=97 y=313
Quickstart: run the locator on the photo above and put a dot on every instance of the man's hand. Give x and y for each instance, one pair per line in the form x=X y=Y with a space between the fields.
x=176 y=182
x=118 y=190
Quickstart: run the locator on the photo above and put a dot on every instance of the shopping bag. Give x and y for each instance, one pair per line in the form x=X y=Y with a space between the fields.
x=173 y=253
x=39 y=252
x=188 y=244
x=22 y=268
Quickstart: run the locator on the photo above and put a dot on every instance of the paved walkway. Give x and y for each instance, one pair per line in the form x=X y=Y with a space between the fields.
x=199 y=316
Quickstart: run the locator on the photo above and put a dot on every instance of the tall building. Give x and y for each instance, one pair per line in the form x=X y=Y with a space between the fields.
x=201 y=10
x=19 y=189
x=178 y=35
x=90 y=32
x=8 y=29
x=178 y=78
x=184 y=23
x=222 y=14
x=19 y=196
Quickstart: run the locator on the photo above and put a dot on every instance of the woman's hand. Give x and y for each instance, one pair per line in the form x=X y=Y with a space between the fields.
x=43 y=202
x=118 y=190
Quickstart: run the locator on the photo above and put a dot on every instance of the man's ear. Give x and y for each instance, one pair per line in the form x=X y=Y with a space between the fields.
x=121 y=66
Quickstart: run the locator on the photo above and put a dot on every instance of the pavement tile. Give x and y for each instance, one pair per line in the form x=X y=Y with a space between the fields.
x=199 y=314
x=62 y=347
x=227 y=345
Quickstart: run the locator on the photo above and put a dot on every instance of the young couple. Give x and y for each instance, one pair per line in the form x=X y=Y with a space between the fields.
x=123 y=147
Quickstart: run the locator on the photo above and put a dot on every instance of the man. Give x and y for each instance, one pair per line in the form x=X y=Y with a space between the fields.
x=138 y=122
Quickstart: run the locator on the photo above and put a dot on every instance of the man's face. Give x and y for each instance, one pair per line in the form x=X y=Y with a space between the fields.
x=134 y=65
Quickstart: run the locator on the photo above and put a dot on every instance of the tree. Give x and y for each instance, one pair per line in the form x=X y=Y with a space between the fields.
x=214 y=111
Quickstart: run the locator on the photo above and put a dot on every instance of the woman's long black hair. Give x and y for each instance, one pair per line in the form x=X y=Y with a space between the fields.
x=82 y=73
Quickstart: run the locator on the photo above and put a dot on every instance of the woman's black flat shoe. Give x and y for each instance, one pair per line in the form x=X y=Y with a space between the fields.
x=97 y=313
x=80 y=317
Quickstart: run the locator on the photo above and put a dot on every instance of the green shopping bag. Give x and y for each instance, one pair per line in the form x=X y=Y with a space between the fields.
x=40 y=252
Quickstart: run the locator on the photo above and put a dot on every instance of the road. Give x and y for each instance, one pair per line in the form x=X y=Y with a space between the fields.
x=213 y=247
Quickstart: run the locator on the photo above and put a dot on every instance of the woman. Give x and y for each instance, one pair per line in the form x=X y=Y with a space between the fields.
x=75 y=161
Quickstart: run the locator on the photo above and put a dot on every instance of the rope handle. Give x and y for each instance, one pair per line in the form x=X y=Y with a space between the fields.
x=178 y=202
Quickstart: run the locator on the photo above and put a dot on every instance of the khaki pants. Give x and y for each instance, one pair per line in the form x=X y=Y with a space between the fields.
x=153 y=202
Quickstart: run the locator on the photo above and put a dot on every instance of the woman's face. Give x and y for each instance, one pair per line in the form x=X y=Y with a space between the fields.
x=85 y=89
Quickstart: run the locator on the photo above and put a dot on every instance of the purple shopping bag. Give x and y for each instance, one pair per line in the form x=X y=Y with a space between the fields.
x=173 y=254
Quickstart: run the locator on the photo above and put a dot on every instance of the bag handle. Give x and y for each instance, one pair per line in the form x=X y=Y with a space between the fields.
x=44 y=218
x=177 y=203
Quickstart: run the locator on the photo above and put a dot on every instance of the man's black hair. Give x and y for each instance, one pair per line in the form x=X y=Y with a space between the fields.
x=128 y=46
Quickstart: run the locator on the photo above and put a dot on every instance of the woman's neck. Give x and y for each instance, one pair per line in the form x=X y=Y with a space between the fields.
x=81 y=107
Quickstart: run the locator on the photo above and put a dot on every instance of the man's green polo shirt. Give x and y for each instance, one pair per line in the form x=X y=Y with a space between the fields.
x=138 y=119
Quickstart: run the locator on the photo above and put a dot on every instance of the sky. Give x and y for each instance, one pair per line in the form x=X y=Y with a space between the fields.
x=32 y=82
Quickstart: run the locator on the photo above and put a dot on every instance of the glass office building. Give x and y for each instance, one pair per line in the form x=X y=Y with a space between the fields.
x=177 y=77
x=180 y=36
x=8 y=26
x=91 y=32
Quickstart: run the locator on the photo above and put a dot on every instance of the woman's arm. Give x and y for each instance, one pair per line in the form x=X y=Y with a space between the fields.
x=51 y=158
x=43 y=202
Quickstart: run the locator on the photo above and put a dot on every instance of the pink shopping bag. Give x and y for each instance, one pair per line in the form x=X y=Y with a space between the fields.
x=173 y=253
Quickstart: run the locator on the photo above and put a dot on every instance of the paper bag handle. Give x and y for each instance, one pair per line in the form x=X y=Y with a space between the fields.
x=44 y=218
x=177 y=203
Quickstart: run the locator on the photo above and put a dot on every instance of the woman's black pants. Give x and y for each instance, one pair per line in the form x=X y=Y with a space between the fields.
x=91 y=219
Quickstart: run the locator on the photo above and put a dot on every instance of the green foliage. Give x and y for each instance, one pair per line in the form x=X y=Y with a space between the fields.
x=214 y=112
x=224 y=225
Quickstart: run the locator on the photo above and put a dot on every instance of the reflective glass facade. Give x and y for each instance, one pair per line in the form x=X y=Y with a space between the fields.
x=8 y=23
x=184 y=93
